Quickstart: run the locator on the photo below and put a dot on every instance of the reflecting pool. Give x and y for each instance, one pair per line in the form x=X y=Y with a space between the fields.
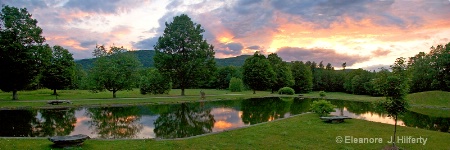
x=184 y=120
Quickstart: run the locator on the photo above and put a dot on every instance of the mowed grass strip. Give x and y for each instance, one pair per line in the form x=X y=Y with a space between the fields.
x=432 y=103
x=343 y=96
x=430 y=98
x=38 y=98
x=300 y=132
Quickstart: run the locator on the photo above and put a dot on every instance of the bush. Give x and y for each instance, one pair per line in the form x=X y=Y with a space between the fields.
x=236 y=85
x=155 y=83
x=322 y=94
x=286 y=90
x=322 y=107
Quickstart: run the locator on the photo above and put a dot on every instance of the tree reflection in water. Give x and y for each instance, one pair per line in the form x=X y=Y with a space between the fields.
x=413 y=119
x=18 y=123
x=56 y=122
x=183 y=121
x=257 y=110
x=115 y=122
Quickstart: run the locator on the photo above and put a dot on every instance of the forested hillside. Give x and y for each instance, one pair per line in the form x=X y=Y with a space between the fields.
x=146 y=58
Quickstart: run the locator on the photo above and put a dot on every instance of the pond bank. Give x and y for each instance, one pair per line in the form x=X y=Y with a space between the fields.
x=299 y=132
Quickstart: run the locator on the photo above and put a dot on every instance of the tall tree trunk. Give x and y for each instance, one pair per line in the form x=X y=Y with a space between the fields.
x=54 y=92
x=114 y=93
x=254 y=92
x=182 y=91
x=15 y=97
x=395 y=131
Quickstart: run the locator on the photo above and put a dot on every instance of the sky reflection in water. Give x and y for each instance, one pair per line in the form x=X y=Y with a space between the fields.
x=185 y=120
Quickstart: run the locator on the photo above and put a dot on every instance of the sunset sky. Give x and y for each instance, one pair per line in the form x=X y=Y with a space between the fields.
x=364 y=33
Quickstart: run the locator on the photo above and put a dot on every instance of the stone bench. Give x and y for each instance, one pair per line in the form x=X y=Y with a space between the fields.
x=335 y=119
x=56 y=102
x=68 y=141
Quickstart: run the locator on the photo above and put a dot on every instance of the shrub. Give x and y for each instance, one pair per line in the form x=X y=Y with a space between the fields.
x=236 y=85
x=286 y=90
x=155 y=83
x=322 y=107
x=322 y=94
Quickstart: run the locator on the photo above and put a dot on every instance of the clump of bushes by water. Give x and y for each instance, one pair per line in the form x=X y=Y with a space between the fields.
x=322 y=107
x=236 y=85
x=286 y=90
x=322 y=94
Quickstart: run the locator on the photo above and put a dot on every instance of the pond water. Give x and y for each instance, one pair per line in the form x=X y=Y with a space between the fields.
x=184 y=120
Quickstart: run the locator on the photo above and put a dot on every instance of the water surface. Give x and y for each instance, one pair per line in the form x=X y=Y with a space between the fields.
x=184 y=120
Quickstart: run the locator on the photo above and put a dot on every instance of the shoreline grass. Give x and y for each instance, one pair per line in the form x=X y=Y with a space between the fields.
x=38 y=98
x=432 y=103
x=305 y=131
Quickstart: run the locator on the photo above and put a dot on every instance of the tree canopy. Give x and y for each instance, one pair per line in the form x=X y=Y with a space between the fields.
x=395 y=88
x=302 y=76
x=257 y=72
x=60 y=71
x=22 y=53
x=114 y=70
x=183 y=54
x=283 y=74
x=154 y=83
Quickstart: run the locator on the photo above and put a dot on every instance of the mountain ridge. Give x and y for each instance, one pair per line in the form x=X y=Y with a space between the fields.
x=146 y=58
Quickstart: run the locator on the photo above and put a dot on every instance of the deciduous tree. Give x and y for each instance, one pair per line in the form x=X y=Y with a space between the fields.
x=154 y=82
x=60 y=71
x=114 y=70
x=22 y=53
x=183 y=55
x=395 y=88
x=257 y=72
x=302 y=76
x=283 y=74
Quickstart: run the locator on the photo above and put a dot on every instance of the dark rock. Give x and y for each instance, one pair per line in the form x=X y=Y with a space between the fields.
x=68 y=141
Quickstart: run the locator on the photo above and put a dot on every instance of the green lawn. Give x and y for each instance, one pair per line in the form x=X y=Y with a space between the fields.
x=38 y=98
x=433 y=103
x=344 y=96
x=300 y=132
x=431 y=98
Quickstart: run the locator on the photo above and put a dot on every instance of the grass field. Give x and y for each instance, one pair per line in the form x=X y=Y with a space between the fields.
x=38 y=98
x=300 y=132
x=344 y=96
x=433 y=103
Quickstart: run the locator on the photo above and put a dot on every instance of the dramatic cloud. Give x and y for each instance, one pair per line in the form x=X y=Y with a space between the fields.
x=146 y=44
x=380 y=52
x=254 y=47
x=325 y=12
x=365 y=32
x=103 y=6
x=318 y=55
x=230 y=49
